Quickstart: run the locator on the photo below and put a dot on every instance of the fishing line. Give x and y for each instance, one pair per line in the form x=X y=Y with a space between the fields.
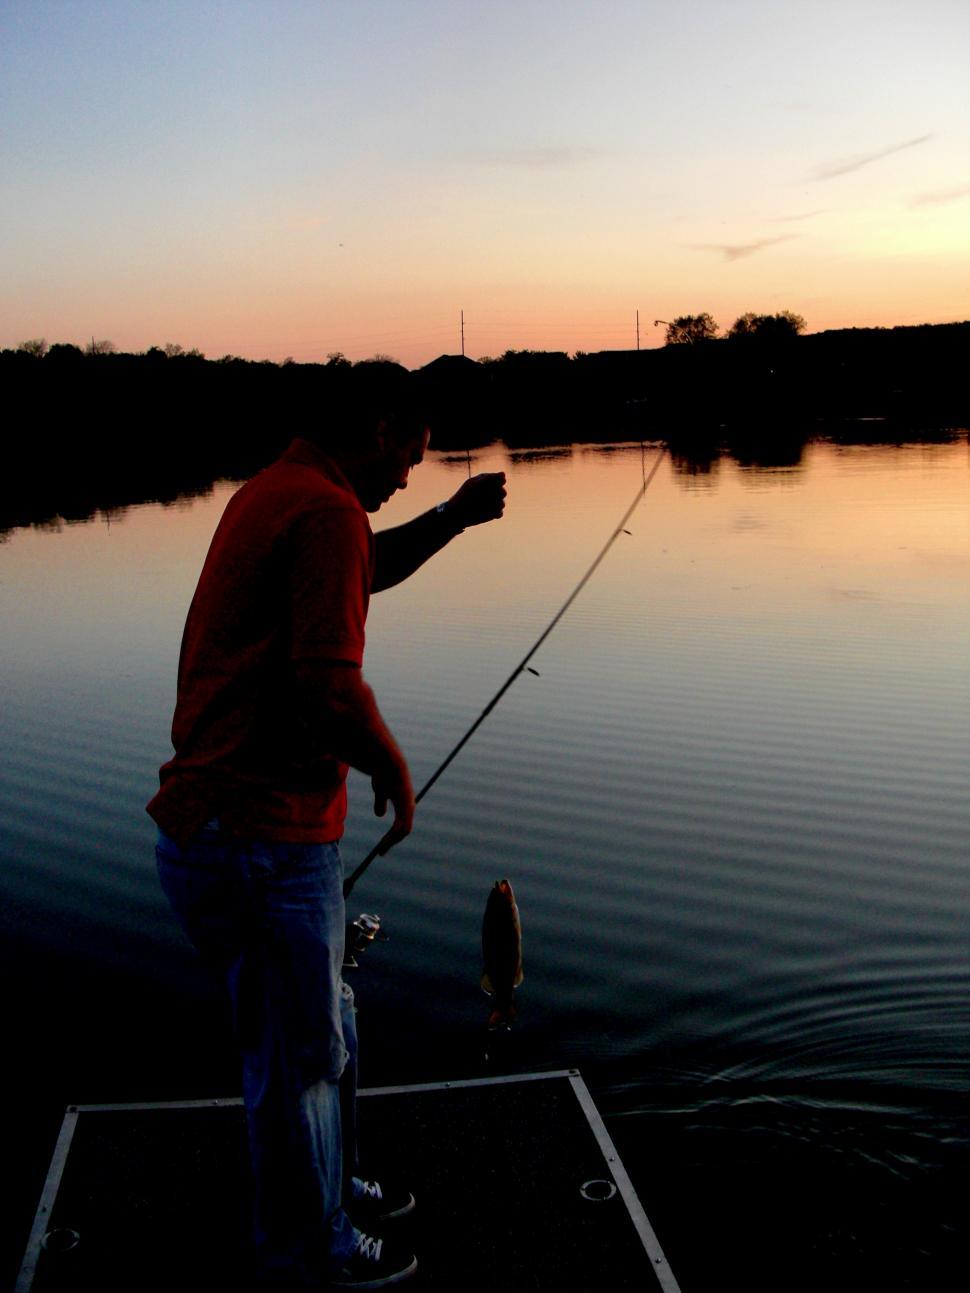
x=523 y=664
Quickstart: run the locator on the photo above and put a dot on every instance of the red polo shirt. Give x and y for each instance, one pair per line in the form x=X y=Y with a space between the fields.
x=287 y=578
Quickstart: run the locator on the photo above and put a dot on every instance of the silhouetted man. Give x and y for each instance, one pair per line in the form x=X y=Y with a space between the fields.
x=272 y=707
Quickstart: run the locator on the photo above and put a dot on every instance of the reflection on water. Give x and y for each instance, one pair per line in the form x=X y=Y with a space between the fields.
x=732 y=804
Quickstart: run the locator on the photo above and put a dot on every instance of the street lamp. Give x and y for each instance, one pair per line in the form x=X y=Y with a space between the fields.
x=676 y=327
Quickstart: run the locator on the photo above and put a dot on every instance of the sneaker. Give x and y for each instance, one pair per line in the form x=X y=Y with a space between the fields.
x=376 y=1201
x=375 y=1264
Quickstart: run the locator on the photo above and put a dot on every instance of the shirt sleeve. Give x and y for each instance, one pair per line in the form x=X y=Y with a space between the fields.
x=331 y=560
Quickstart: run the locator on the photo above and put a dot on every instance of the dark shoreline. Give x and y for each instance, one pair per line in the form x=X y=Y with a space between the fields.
x=96 y=433
x=57 y=487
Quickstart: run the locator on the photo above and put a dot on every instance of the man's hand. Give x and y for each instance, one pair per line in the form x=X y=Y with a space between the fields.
x=335 y=698
x=400 y=551
x=480 y=499
x=394 y=785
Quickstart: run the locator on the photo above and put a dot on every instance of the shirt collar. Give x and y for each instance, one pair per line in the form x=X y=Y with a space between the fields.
x=308 y=454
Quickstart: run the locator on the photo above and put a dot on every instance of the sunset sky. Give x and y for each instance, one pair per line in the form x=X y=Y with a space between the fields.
x=291 y=178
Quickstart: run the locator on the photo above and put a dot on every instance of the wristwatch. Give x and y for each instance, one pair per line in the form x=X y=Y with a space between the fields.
x=442 y=511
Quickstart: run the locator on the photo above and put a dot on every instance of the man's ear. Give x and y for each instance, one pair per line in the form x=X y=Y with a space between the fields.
x=381 y=432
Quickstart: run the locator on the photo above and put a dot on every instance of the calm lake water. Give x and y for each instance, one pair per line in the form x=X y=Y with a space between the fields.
x=733 y=806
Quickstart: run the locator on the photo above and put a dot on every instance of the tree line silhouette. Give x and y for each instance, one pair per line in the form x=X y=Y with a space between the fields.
x=95 y=429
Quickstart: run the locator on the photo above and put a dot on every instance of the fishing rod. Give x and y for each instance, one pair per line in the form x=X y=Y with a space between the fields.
x=520 y=668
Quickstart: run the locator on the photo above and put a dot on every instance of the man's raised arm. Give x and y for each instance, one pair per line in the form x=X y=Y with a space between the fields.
x=401 y=550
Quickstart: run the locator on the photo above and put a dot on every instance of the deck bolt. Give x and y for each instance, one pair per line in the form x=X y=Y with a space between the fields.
x=61 y=1240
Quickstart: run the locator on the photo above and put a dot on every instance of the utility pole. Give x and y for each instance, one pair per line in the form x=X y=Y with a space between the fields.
x=638 y=329
x=463 y=334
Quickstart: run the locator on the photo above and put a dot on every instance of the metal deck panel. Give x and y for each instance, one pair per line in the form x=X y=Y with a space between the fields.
x=157 y=1194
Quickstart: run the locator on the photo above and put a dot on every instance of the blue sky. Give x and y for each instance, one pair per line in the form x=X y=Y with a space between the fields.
x=293 y=178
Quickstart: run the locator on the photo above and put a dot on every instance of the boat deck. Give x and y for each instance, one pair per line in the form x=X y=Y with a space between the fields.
x=519 y=1187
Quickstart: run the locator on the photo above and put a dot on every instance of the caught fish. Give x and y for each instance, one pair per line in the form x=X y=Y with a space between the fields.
x=501 y=953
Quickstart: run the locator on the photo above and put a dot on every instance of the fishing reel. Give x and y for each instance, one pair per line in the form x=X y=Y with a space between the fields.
x=360 y=934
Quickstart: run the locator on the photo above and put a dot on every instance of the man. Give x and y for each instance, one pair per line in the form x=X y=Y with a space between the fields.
x=272 y=707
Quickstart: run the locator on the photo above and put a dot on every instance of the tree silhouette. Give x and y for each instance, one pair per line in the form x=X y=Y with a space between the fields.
x=773 y=327
x=64 y=350
x=689 y=329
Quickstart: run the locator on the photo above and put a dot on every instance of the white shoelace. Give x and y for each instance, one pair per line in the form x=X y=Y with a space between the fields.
x=370 y=1248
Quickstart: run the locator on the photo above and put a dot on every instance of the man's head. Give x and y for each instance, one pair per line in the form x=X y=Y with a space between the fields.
x=378 y=475
x=374 y=428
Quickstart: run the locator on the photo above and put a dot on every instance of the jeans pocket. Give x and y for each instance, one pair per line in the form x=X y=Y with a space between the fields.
x=207 y=894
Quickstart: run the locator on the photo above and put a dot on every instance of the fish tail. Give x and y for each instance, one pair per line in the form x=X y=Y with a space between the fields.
x=502 y=1017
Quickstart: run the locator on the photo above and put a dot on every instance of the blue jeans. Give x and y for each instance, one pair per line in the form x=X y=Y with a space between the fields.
x=269 y=917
